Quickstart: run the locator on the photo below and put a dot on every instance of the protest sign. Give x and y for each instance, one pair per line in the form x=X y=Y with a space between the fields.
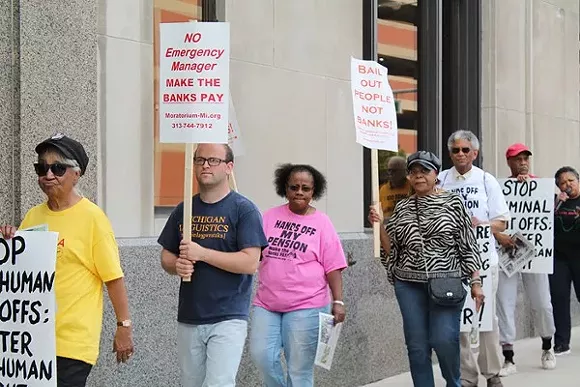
x=234 y=134
x=27 y=309
x=375 y=120
x=194 y=82
x=375 y=116
x=470 y=318
x=194 y=68
x=531 y=205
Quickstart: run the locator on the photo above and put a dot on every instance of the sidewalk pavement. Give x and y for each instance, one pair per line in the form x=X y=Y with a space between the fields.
x=530 y=372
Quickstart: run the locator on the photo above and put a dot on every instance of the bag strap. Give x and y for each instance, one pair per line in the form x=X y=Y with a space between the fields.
x=421 y=236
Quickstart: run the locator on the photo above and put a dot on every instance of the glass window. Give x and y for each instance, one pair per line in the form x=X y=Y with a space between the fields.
x=169 y=158
x=396 y=33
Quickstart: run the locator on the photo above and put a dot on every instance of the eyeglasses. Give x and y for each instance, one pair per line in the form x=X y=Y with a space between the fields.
x=457 y=150
x=57 y=169
x=419 y=172
x=212 y=161
x=297 y=188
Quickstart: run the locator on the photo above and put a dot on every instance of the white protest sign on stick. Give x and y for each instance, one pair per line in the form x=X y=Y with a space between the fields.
x=375 y=120
x=531 y=205
x=482 y=320
x=27 y=309
x=194 y=68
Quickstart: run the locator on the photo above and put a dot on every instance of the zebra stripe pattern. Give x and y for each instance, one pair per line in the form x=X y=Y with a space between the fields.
x=445 y=241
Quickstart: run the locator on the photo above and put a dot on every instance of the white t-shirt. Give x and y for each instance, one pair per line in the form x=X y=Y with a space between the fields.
x=481 y=194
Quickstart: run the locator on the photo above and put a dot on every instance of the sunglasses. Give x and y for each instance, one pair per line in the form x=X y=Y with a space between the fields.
x=57 y=169
x=457 y=150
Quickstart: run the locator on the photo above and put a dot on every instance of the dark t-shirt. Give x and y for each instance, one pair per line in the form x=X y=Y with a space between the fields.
x=230 y=225
x=567 y=230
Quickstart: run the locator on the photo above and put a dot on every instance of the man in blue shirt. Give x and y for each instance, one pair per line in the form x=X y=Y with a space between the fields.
x=227 y=238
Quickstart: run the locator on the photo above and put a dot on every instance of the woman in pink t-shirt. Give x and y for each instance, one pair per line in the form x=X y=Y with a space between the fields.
x=303 y=259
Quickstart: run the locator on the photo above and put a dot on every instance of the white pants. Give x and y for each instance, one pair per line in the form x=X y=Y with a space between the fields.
x=537 y=288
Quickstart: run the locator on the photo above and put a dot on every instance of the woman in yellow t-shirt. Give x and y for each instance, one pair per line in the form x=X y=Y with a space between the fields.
x=87 y=257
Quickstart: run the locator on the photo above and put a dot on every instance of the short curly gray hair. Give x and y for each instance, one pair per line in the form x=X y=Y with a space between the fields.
x=463 y=135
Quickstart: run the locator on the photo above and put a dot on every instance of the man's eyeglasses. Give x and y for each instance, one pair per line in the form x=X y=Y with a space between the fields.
x=212 y=161
x=57 y=169
x=457 y=150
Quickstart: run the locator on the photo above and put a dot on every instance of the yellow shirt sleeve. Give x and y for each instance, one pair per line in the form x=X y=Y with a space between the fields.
x=27 y=222
x=107 y=260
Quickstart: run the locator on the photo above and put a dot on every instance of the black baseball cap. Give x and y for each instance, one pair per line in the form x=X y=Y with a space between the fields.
x=425 y=159
x=70 y=149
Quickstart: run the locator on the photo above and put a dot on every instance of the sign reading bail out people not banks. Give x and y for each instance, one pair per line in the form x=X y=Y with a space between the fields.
x=375 y=119
x=194 y=68
x=27 y=309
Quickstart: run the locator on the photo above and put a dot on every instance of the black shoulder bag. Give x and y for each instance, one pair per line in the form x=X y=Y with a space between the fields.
x=445 y=291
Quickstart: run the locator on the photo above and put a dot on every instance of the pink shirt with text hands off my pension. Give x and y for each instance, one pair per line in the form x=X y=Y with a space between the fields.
x=301 y=250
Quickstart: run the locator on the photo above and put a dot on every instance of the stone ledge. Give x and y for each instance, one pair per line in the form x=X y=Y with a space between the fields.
x=371 y=346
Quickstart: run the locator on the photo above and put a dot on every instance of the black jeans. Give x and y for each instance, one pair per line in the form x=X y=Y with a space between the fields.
x=566 y=272
x=71 y=373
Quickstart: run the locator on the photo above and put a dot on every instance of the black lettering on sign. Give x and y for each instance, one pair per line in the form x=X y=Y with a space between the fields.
x=482 y=232
x=16 y=342
x=12 y=248
x=20 y=311
x=467 y=316
x=529 y=207
x=485 y=265
x=26 y=369
x=519 y=188
x=533 y=223
x=26 y=282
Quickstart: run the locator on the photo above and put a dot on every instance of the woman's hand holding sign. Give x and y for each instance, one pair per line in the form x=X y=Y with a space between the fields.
x=8 y=231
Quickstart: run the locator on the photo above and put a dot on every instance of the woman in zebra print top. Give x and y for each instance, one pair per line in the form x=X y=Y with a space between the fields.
x=429 y=231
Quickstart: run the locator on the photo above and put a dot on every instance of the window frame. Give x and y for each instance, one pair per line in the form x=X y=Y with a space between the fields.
x=449 y=69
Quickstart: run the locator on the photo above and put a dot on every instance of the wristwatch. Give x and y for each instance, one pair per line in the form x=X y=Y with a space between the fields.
x=124 y=323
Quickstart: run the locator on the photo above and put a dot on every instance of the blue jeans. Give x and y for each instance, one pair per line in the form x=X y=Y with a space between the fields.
x=428 y=326
x=209 y=355
x=296 y=333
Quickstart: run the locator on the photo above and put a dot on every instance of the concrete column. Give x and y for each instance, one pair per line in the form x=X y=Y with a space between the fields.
x=9 y=112
x=530 y=82
x=58 y=85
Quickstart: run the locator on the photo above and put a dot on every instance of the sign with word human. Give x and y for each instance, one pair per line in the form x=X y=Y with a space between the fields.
x=194 y=67
x=234 y=135
x=531 y=205
x=482 y=320
x=27 y=309
x=375 y=116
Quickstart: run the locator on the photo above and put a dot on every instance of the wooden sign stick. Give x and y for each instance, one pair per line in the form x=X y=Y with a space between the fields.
x=375 y=200
x=233 y=183
x=187 y=195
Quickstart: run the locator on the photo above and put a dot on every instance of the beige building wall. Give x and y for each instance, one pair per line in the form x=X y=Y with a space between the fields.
x=290 y=81
x=290 y=86
x=531 y=82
